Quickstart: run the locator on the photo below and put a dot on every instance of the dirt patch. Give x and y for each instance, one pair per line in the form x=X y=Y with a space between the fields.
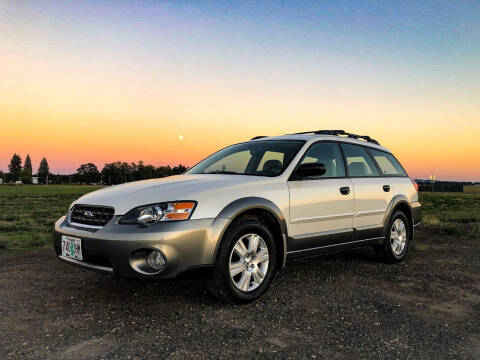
x=430 y=308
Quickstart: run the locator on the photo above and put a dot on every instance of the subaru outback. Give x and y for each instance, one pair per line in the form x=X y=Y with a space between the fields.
x=245 y=210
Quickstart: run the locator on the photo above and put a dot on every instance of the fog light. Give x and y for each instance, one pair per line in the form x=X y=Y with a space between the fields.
x=156 y=260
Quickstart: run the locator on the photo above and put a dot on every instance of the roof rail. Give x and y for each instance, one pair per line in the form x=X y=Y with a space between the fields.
x=258 y=137
x=341 y=133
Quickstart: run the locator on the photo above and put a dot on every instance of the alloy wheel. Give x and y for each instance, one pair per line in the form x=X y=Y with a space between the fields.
x=398 y=236
x=248 y=262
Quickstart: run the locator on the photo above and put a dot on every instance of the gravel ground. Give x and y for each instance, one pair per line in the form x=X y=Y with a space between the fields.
x=339 y=306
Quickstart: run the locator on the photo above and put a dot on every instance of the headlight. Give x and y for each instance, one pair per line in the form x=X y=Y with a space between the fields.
x=155 y=213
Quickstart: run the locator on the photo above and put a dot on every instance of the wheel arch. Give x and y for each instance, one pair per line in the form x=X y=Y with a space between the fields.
x=399 y=202
x=266 y=212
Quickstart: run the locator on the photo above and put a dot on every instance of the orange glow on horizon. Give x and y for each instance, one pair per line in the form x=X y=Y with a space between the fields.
x=67 y=144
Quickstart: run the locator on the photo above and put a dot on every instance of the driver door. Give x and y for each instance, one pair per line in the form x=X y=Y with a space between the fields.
x=321 y=208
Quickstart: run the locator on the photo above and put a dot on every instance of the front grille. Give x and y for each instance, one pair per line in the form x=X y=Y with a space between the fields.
x=97 y=216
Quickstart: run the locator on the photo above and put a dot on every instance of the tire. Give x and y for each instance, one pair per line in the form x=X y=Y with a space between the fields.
x=227 y=288
x=396 y=243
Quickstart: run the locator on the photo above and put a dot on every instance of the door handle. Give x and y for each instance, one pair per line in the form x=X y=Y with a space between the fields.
x=386 y=188
x=345 y=190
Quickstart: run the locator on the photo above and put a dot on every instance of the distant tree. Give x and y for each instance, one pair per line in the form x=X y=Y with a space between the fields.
x=26 y=176
x=60 y=178
x=149 y=172
x=126 y=171
x=108 y=174
x=2 y=175
x=55 y=179
x=43 y=171
x=142 y=171
x=118 y=172
x=180 y=169
x=88 y=173
x=163 y=171
x=139 y=170
x=28 y=164
x=15 y=168
x=8 y=178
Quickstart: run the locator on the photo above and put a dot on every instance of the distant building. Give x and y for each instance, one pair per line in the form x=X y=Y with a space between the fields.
x=1 y=181
x=35 y=180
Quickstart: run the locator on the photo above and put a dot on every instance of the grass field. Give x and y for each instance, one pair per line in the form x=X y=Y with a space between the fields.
x=453 y=213
x=27 y=213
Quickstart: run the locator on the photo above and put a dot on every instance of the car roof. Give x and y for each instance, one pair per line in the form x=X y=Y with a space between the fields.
x=310 y=138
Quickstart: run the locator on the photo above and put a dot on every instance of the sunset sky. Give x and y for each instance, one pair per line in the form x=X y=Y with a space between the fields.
x=102 y=81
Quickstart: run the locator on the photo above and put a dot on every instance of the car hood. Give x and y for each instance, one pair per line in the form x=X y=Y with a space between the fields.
x=127 y=196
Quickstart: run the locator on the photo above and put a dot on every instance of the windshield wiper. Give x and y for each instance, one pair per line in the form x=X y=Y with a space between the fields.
x=223 y=172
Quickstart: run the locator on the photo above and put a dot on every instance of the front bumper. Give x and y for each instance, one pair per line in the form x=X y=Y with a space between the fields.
x=186 y=244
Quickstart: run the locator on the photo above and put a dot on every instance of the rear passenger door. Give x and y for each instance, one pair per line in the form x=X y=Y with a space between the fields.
x=372 y=192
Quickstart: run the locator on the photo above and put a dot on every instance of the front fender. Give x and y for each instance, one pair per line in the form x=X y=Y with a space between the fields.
x=237 y=207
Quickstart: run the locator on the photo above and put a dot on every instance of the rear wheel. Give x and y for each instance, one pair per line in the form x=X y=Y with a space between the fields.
x=396 y=240
x=245 y=263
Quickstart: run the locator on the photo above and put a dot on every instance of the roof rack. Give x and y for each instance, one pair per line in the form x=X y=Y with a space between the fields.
x=341 y=133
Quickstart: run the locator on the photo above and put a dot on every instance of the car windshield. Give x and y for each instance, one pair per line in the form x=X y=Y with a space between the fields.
x=259 y=158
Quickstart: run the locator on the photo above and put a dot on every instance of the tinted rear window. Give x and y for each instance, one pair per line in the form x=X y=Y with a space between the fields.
x=387 y=163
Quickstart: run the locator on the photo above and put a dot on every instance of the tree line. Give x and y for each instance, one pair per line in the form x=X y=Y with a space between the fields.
x=112 y=173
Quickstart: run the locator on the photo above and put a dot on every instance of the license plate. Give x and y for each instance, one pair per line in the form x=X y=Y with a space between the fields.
x=72 y=247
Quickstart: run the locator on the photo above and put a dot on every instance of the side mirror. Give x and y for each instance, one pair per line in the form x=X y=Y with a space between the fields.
x=310 y=170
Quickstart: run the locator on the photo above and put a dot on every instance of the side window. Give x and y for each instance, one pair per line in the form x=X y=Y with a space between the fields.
x=326 y=153
x=359 y=162
x=387 y=163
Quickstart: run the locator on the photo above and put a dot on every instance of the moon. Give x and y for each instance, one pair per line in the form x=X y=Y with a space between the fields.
x=180 y=137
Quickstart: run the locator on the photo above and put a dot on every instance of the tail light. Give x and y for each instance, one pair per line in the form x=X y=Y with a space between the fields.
x=414 y=184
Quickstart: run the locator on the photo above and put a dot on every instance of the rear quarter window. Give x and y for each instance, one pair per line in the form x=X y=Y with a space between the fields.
x=389 y=166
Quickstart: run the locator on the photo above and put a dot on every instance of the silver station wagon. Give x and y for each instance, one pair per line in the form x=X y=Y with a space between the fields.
x=245 y=210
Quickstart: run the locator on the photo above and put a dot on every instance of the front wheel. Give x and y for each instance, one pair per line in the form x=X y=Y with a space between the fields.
x=396 y=240
x=245 y=263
